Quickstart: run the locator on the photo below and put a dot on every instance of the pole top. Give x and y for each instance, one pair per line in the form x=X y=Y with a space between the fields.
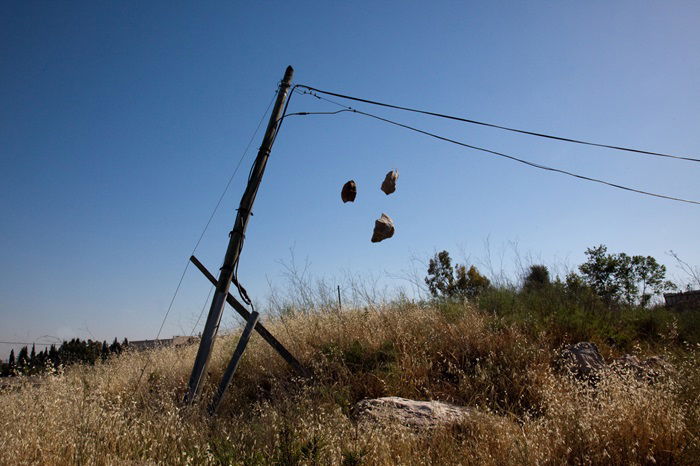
x=289 y=73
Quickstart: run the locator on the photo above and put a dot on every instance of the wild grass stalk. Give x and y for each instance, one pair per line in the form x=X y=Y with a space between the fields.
x=525 y=412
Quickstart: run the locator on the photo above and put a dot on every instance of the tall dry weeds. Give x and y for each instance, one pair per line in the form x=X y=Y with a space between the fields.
x=525 y=413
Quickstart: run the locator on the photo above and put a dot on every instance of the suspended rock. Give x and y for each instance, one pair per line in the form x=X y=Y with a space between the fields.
x=389 y=183
x=349 y=191
x=383 y=228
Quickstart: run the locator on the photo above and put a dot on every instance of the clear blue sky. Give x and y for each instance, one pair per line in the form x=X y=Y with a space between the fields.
x=120 y=123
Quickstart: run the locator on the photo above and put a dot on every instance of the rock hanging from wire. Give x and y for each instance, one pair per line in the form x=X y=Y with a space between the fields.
x=349 y=191
x=383 y=228
x=389 y=183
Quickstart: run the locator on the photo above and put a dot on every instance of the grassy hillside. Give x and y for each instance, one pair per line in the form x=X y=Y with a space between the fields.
x=496 y=359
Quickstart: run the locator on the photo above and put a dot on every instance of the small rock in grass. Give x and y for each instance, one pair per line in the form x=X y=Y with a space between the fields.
x=582 y=360
x=410 y=413
x=650 y=369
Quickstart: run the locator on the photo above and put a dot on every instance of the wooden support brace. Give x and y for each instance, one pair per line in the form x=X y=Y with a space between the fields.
x=233 y=364
x=267 y=336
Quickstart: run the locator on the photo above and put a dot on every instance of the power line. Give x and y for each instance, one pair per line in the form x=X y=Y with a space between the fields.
x=506 y=128
x=25 y=343
x=510 y=157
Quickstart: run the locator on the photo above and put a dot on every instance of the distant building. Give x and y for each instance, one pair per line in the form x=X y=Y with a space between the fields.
x=163 y=342
x=683 y=301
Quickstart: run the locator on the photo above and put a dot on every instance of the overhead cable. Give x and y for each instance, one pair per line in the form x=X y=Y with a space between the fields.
x=25 y=343
x=500 y=154
x=506 y=128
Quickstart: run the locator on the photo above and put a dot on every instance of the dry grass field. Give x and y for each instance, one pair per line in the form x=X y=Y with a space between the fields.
x=527 y=412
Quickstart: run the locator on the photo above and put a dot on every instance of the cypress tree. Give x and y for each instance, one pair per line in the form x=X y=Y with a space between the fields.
x=32 y=356
x=54 y=356
x=41 y=359
x=93 y=351
x=23 y=358
x=104 y=353
x=115 y=347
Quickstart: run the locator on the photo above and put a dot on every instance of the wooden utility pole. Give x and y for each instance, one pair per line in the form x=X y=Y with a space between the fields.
x=235 y=244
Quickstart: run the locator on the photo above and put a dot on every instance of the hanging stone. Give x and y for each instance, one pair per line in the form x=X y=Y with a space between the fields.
x=389 y=183
x=383 y=228
x=349 y=191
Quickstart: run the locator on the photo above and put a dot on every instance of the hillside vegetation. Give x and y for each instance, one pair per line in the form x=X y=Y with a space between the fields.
x=494 y=354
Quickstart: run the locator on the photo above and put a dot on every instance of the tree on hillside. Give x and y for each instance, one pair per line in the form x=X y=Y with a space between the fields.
x=599 y=273
x=475 y=283
x=651 y=277
x=536 y=278
x=440 y=279
x=54 y=357
x=620 y=278
x=445 y=281
x=75 y=351
x=41 y=358
x=115 y=347
x=23 y=358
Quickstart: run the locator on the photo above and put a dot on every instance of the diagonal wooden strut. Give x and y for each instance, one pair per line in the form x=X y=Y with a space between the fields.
x=233 y=365
x=243 y=312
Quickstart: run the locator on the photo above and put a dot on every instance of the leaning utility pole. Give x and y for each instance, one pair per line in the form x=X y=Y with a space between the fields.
x=235 y=244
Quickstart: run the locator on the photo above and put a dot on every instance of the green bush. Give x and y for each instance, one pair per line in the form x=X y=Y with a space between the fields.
x=567 y=313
